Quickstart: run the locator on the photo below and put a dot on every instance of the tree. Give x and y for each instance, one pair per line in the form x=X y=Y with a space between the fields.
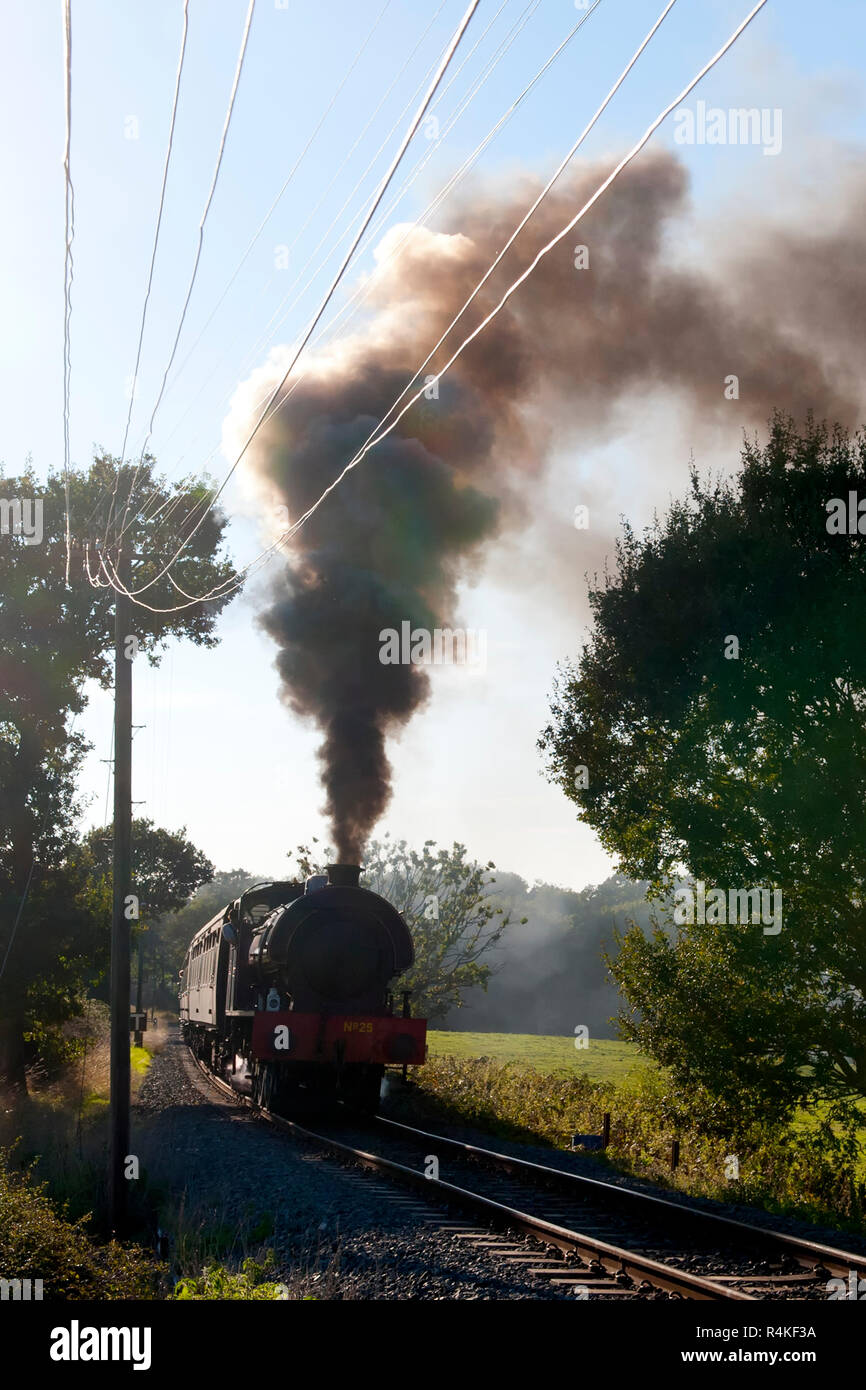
x=166 y=867
x=43 y=983
x=173 y=931
x=53 y=639
x=443 y=895
x=718 y=712
x=551 y=977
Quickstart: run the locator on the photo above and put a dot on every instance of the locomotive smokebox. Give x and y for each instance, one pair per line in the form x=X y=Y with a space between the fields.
x=343 y=875
x=335 y=946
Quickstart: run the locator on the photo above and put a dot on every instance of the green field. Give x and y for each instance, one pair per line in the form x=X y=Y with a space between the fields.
x=601 y=1060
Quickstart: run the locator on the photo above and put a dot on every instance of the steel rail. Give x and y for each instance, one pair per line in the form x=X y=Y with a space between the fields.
x=807 y=1252
x=613 y=1258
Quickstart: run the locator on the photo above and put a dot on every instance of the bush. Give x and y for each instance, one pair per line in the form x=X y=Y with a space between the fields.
x=250 y=1283
x=39 y=1242
x=805 y=1167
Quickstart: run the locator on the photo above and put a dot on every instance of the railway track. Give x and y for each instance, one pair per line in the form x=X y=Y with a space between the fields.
x=744 y=1257
x=601 y=1239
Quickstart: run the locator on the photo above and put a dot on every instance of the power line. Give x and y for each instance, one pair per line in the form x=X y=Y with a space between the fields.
x=265 y=220
x=167 y=736
x=354 y=190
x=563 y=164
x=569 y=226
x=271 y=210
x=636 y=148
x=530 y=9
x=201 y=227
x=68 y=269
x=110 y=761
x=374 y=436
x=382 y=146
x=364 y=288
x=361 y=292
x=404 y=144
x=221 y=590
x=158 y=225
x=160 y=210
x=516 y=29
x=224 y=590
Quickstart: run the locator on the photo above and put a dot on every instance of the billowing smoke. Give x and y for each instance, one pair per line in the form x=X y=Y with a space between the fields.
x=395 y=540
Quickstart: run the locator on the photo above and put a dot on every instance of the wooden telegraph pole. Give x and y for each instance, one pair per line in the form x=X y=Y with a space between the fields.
x=120 y=923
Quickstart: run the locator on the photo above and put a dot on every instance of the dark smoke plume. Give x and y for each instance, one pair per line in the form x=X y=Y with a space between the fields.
x=412 y=521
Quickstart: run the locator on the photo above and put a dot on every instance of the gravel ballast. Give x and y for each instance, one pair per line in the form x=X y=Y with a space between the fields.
x=337 y=1231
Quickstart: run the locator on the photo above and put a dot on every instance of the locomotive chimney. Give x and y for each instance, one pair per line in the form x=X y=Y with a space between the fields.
x=343 y=875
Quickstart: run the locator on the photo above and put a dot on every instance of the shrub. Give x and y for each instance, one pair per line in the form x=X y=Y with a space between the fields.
x=251 y=1283
x=39 y=1242
x=807 y=1166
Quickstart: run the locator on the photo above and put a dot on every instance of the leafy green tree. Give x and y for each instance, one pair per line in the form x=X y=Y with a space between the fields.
x=444 y=897
x=166 y=866
x=714 y=726
x=44 y=983
x=167 y=869
x=53 y=640
x=173 y=931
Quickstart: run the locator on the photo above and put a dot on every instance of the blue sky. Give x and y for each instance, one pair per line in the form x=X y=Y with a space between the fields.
x=218 y=752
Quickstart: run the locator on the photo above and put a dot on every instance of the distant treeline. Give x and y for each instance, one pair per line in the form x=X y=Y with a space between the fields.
x=549 y=974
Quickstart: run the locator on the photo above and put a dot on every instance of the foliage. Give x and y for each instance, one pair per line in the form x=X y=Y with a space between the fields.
x=253 y=1282
x=166 y=867
x=55 y=638
x=174 y=930
x=445 y=900
x=744 y=772
x=811 y=1171
x=39 y=1242
x=69 y=914
x=551 y=976
x=59 y=946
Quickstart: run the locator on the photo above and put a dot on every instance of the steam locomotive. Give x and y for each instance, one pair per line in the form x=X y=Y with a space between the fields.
x=291 y=982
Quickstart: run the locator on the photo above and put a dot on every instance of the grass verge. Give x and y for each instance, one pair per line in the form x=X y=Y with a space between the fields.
x=798 y=1170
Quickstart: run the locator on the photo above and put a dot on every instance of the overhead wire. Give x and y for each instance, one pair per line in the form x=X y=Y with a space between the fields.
x=401 y=192
x=290 y=176
x=363 y=290
x=623 y=163
x=635 y=149
x=269 y=331
x=159 y=215
x=273 y=408
x=212 y=190
x=533 y=208
x=190 y=406
x=382 y=189
x=302 y=272
x=160 y=209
